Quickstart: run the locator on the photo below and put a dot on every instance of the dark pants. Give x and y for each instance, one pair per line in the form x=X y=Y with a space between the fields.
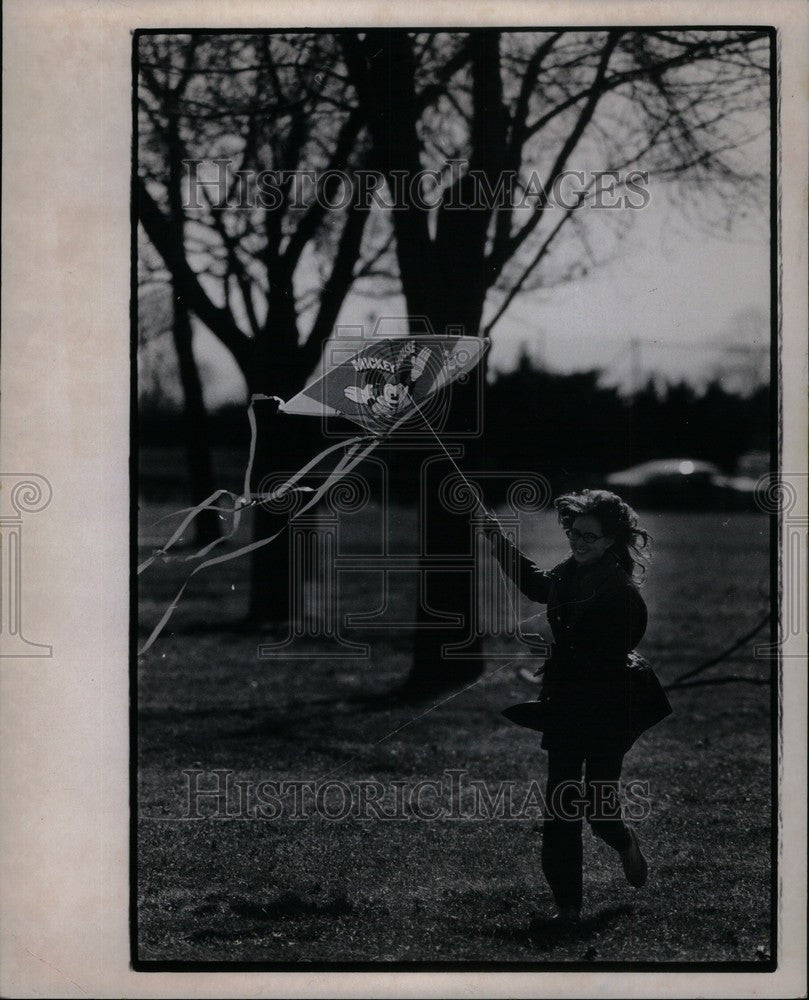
x=567 y=803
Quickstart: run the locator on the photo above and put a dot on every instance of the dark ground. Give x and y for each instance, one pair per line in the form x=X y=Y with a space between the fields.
x=319 y=890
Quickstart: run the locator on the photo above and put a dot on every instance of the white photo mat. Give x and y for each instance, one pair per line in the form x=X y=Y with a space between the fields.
x=64 y=718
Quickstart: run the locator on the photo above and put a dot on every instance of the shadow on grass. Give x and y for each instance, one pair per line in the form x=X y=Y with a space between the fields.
x=543 y=932
x=542 y=929
x=404 y=693
x=290 y=904
x=217 y=913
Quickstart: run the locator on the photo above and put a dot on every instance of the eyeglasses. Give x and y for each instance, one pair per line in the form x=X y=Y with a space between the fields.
x=584 y=536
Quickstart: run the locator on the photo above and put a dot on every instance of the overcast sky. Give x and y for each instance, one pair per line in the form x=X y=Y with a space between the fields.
x=683 y=291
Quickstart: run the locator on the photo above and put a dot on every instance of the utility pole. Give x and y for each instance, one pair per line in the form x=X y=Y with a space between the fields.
x=634 y=349
x=541 y=354
x=746 y=363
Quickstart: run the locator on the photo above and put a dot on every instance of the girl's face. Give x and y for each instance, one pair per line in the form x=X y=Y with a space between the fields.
x=587 y=540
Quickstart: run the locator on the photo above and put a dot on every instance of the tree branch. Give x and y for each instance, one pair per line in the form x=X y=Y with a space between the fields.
x=337 y=286
x=218 y=320
x=509 y=247
x=315 y=213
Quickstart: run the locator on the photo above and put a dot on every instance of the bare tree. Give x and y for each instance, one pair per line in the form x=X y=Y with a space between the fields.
x=500 y=117
x=161 y=312
x=521 y=109
x=268 y=281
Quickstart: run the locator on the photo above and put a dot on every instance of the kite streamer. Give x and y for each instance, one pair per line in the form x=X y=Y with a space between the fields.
x=241 y=503
x=380 y=387
x=352 y=458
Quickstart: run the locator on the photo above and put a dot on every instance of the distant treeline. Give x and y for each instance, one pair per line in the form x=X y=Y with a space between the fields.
x=568 y=427
x=537 y=419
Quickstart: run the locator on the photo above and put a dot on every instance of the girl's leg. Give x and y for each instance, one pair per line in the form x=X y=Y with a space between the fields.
x=602 y=783
x=561 y=833
x=602 y=788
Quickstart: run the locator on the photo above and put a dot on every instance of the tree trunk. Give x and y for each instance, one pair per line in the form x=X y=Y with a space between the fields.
x=448 y=569
x=284 y=445
x=281 y=449
x=196 y=424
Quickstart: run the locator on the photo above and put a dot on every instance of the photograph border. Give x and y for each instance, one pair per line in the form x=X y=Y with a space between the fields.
x=775 y=527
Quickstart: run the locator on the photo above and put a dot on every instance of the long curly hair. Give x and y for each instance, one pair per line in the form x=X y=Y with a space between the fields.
x=632 y=546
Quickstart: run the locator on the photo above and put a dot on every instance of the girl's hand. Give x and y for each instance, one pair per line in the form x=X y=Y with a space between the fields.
x=537 y=643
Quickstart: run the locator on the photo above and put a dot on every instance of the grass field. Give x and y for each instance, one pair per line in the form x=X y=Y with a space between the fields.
x=284 y=890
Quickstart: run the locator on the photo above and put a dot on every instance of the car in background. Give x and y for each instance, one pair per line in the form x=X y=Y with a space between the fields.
x=753 y=464
x=686 y=483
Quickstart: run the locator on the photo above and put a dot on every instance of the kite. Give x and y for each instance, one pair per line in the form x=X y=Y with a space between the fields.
x=380 y=387
x=387 y=382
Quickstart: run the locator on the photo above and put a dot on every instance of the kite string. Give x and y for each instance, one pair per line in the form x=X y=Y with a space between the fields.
x=416 y=718
x=473 y=490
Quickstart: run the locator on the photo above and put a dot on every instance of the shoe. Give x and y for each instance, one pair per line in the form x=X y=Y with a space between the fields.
x=566 y=916
x=635 y=867
x=566 y=919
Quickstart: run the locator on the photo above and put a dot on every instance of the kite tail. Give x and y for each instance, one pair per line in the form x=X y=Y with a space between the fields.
x=191 y=513
x=240 y=503
x=358 y=449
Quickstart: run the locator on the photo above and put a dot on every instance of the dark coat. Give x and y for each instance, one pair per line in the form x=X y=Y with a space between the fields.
x=597 y=617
